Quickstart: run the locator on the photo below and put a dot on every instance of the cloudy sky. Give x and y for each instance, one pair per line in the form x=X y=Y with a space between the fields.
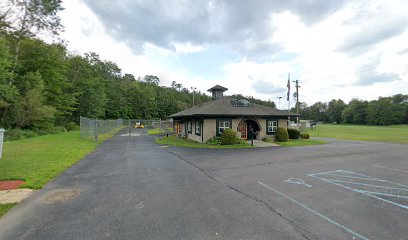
x=337 y=49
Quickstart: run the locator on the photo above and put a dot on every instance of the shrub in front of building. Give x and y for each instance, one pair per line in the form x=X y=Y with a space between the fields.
x=268 y=139
x=214 y=141
x=305 y=135
x=229 y=137
x=293 y=133
x=282 y=135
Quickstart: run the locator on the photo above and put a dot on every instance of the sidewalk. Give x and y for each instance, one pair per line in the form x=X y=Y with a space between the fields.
x=14 y=195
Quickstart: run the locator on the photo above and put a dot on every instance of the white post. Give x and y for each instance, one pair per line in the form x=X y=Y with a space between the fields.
x=2 y=131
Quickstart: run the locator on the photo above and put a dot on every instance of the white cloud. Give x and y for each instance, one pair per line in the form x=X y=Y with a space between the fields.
x=329 y=53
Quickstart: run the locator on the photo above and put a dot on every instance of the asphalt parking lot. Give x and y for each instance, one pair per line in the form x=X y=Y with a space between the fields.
x=132 y=188
x=341 y=190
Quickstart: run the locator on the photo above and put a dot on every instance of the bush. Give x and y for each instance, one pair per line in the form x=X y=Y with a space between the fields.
x=71 y=126
x=305 y=135
x=268 y=139
x=214 y=141
x=293 y=133
x=282 y=135
x=241 y=141
x=229 y=137
x=18 y=134
x=54 y=130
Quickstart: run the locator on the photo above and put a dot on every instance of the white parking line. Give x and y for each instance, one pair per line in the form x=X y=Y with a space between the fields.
x=371 y=190
x=313 y=211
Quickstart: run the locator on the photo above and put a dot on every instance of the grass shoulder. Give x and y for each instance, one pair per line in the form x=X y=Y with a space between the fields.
x=183 y=142
x=106 y=136
x=300 y=142
x=38 y=160
x=155 y=131
x=4 y=208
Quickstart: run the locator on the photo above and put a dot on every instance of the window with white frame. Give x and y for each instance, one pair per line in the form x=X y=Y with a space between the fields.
x=222 y=125
x=198 y=128
x=272 y=126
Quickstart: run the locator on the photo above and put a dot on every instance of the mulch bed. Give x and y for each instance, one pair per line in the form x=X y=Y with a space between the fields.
x=10 y=184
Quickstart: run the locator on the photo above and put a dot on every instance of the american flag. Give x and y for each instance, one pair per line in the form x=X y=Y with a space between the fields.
x=287 y=99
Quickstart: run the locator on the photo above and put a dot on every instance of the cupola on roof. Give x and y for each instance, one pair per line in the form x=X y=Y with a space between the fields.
x=217 y=91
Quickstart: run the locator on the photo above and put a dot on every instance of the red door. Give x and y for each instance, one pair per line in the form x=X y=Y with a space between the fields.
x=242 y=127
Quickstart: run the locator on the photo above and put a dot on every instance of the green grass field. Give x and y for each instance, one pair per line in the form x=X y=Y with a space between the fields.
x=394 y=133
x=174 y=141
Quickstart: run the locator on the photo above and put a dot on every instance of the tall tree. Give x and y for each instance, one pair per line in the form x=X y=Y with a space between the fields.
x=49 y=60
x=151 y=79
x=8 y=93
x=384 y=112
x=355 y=112
x=26 y=18
x=334 y=110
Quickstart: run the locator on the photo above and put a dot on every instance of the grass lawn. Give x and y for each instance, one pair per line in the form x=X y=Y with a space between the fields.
x=5 y=207
x=393 y=133
x=174 y=141
x=157 y=131
x=300 y=142
x=37 y=160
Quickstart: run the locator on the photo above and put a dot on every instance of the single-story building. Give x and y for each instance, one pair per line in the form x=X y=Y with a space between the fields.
x=209 y=119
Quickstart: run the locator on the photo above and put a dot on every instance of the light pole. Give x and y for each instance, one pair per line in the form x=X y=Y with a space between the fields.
x=279 y=101
x=193 y=93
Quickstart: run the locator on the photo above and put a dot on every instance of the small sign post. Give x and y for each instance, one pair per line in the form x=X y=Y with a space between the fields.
x=2 y=131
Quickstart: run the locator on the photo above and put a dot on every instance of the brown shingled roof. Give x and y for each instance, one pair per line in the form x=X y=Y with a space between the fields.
x=225 y=107
x=218 y=88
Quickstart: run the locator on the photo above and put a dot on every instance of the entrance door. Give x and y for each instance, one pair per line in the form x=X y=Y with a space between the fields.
x=242 y=127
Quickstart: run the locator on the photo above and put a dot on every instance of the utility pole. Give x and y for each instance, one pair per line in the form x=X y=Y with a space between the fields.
x=193 y=93
x=279 y=101
x=297 y=100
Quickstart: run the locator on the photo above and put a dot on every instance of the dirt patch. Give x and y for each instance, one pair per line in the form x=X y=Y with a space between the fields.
x=10 y=184
x=62 y=196
x=14 y=195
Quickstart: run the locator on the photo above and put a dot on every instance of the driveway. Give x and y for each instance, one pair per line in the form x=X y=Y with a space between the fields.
x=132 y=188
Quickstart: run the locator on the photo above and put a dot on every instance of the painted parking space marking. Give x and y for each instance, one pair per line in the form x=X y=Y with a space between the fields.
x=380 y=189
x=297 y=181
x=314 y=212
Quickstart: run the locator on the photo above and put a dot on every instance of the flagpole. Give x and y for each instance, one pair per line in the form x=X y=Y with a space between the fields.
x=288 y=98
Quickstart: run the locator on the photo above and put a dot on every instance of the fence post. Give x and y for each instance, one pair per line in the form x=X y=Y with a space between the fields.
x=96 y=130
x=2 y=131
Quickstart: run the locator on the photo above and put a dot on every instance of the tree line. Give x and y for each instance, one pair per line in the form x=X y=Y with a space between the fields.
x=383 y=111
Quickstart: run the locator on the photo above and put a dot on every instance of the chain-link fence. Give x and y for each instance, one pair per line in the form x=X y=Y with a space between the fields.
x=166 y=126
x=160 y=126
x=91 y=128
x=141 y=122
